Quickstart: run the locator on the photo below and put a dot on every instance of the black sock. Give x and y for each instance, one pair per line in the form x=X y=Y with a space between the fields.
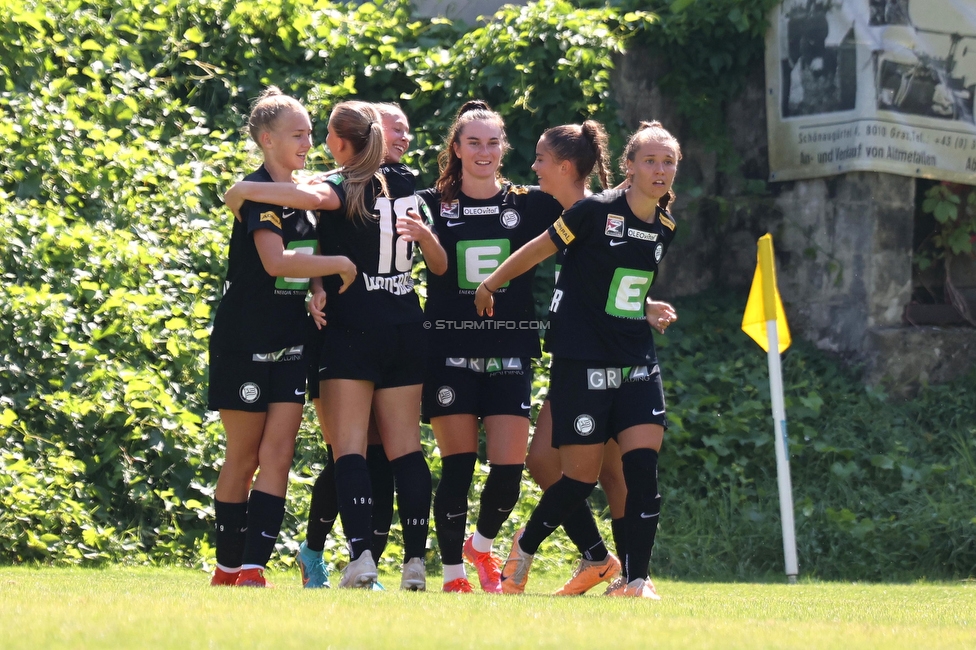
x=562 y=497
x=413 y=486
x=231 y=524
x=642 y=510
x=355 y=502
x=265 y=512
x=582 y=531
x=498 y=498
x=619 y=531
x=451 y=505
x=324 y=508
x=381 y=481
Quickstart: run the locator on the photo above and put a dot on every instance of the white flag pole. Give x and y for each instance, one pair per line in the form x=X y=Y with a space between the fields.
x=782 y=458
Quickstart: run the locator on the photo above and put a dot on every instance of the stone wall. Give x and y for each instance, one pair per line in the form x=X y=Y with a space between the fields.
x=843 y=243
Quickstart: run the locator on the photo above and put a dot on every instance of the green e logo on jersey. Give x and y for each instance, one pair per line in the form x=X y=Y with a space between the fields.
x=477 y=259
x=304 y=247
x=628 y=289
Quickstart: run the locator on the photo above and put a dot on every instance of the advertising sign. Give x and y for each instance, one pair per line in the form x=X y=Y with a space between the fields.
x=872 y=85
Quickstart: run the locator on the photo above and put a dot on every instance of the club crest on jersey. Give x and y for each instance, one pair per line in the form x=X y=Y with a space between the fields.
x=272 y=217
x=658 y=252
x=510 y=218
x=250 y=392
x=449 y=210
x=615 y=226
x=445 y=395
x=584 y=424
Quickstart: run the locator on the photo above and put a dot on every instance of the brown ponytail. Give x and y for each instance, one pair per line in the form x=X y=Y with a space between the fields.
x=359 y=124
x=584 y=146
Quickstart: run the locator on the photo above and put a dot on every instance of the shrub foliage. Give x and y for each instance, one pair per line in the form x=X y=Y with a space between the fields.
x=120 y=126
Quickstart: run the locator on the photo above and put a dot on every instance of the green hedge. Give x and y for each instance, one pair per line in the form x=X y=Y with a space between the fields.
x=120 y=126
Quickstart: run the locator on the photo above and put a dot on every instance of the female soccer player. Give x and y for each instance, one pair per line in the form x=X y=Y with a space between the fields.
x=324 y=507
x=257 y=362
x=605 y=379
x=373 y=349
x=474 y=371
x=564 y=162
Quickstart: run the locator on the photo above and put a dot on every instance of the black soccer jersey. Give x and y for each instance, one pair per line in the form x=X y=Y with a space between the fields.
x=597 y=310
x=478 y=235
x=383 y=291
x=259 y=313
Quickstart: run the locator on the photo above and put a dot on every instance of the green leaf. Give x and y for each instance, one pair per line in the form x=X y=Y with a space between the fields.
x=195 y=35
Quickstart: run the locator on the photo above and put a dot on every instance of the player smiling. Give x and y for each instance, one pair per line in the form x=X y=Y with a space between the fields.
x=257 y=347
x=605 y=383
x=476 y=373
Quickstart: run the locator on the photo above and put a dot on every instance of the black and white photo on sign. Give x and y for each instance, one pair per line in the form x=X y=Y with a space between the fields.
x=888 y=12
x=927 y=61
x=817 y=54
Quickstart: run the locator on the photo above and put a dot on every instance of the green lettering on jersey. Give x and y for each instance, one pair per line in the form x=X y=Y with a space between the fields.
x=628 y=289
x=478 y=258
x=304 y=247
x=336 y=179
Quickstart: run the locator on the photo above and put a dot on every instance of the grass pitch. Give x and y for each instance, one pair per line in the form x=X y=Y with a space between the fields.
x=175 y=608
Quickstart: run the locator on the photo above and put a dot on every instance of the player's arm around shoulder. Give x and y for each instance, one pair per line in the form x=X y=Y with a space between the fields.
x=318 y=196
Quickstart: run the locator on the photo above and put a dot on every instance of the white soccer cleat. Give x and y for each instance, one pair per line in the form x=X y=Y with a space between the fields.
x=360 y=573
x=414 y=575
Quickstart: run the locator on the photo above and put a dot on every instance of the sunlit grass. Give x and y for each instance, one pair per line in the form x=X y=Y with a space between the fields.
x=175 y=608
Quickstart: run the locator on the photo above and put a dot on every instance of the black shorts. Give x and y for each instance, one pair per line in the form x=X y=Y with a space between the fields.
x=592 y=403
x=249 y=382
x=389 y=356
x=481 y=387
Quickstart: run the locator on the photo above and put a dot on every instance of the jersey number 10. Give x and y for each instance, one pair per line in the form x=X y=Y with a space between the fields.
x=395 y=251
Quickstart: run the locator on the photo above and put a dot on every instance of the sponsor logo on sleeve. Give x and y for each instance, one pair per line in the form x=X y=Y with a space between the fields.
x=666 y=221
x=634 y=233
x=336 y=179
x=272 y=217
x=510 y=218
x=615 y=226
x=565 y=234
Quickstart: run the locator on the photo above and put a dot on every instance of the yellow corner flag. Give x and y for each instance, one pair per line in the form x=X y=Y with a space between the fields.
x=764 y=303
